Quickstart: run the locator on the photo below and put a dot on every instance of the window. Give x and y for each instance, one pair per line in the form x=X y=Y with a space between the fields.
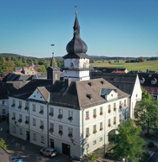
x=20 y=103
x=120 y=103
x=21 y=131
x=26 y=104
x=3 y=102
x=147 y=90
x=101 y=110
x=94 y=129
x=94 y=113
x=20 y=116
x=34 y=122
x=13 y=101
x=87 y=115
x=3 y=111
x=125 y=103
x=120 y=118
x=109 y=122
x=13 y=114
x=52 y=125
x=14 y=129
x=87 y=132
x=109 y=108
x=52 y=110
x=70 y=132
x=42 y=139
x=27 y=118
x=114 y=105
x=41 y=109
x=60 y=128
x=34 y=136
x=34 y=107
x=100 y=139
x=114 y=120
x=70 y=113
x=60 y=111
x=94 y=142
x=42 y=123
x=152 y=90
x=101 y=125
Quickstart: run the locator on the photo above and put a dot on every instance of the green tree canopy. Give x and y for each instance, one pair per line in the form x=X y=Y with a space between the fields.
x=2 y=144
x=10 y=66
x=128 y=143
x=141 y=59
x=2 y=65
x=42 y=69
x=146 y=114
x=145 y=94
x=18 y=64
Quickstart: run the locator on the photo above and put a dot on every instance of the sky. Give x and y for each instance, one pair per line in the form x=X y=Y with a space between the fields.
x=123 y=28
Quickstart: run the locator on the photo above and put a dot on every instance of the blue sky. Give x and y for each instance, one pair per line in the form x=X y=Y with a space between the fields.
x=127 y=28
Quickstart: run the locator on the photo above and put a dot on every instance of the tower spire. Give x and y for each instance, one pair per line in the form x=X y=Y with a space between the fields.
x=53 y=63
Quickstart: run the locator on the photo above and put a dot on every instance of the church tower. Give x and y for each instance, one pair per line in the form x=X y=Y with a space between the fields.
x=76 y=62
x=53 y=72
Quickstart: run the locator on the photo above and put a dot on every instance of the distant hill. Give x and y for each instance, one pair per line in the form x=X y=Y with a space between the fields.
x=6 y=55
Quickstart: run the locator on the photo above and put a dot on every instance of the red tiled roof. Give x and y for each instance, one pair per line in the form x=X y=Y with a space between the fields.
x=117 y=71
x=1 y=78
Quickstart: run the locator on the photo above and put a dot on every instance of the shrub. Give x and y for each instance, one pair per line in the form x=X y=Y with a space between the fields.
x=94 y=156
x=144 y=156
x=150 y=144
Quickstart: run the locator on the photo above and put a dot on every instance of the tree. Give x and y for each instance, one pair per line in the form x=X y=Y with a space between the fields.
x=60 y=63
x=2 y=144
x=18 y=64
x=91 y=61
x=42 y=69
x=2 y=65
x=128 y=143
x=145 y=94
x=10 y=66
x=146 y=113
x=141 y=59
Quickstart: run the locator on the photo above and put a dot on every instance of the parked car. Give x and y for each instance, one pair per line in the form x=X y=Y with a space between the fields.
x=17 y=159
x=48 y=152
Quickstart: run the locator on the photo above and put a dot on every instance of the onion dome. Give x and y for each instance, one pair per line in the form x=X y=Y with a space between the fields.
x=76 y=45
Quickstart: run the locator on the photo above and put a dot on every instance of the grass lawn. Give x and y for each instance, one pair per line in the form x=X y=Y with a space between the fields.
x=143 y=66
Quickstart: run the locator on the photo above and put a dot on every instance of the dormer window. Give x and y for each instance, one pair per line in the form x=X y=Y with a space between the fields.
x=90 y=84
x=154 y=81
x=102 y=82
x=89 y=96
x=142 y=81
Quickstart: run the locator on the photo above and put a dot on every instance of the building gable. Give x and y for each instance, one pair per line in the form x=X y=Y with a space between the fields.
x=36 y=95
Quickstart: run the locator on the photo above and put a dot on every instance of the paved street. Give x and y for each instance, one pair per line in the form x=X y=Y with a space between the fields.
x=154 y=157
x=29 y=152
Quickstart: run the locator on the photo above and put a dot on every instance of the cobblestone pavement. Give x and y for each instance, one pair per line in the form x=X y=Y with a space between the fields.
x=29 y=152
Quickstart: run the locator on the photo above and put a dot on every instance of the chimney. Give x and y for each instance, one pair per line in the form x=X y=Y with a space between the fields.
x=68 y=82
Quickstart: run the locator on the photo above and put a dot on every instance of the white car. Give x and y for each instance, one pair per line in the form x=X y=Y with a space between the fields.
x=48 y=151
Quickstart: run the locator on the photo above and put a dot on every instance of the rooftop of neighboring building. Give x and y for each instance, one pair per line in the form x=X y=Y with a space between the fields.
x=124 y=82
x=148 y=79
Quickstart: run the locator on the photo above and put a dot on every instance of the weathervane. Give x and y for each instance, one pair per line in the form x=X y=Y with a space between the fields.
x=52 y=49
x=76 y=10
